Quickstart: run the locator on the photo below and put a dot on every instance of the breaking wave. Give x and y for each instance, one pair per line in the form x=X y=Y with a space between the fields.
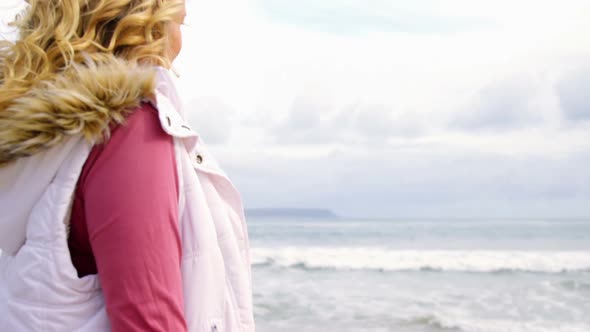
x=419 y=260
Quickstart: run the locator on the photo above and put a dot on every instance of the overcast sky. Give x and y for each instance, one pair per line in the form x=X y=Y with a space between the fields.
x=375 y=108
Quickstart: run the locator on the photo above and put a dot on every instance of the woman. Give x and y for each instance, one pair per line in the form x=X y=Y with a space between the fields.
x=114 y=215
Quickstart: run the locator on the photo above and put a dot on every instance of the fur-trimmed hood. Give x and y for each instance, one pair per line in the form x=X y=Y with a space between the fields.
x=40 y=130
x=83 y=100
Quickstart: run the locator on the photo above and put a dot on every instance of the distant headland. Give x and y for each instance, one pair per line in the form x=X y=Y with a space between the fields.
x=291 y=213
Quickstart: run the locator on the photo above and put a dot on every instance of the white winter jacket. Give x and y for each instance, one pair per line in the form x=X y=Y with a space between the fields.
x=39 y=286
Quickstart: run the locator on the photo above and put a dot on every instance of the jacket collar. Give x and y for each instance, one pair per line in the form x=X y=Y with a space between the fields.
x=173 y=121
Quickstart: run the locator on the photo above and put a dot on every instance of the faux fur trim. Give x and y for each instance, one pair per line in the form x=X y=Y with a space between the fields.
x=84 y=100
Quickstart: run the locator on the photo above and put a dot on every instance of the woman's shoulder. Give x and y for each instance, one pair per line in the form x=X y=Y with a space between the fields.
x=143 y=116
x=139 y=142
x=141 y=132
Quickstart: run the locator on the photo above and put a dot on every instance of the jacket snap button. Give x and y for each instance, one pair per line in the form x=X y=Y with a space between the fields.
x=213 y=328
x=199 y=159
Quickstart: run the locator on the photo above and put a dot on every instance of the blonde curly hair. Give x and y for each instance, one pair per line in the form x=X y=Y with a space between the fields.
x=55 y=35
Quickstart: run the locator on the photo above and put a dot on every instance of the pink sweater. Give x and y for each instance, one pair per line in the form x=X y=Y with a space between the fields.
x=124 y=226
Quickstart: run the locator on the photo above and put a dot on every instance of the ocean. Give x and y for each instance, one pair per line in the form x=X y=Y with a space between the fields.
x=420 y=275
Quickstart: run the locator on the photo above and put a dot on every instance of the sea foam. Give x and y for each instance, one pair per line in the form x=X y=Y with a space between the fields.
x=472 y=324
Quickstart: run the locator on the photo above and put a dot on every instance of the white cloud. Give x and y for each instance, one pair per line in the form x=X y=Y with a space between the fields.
x=574 y=93
x=212 y=118
x=501 y=106
x=314 y=122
